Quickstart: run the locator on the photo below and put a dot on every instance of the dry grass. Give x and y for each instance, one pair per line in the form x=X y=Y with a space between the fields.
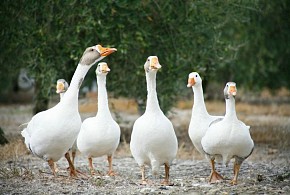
x=16 y=171
x=272 y=109
x=12 y=153
x=187 y=151
x=116 y=104
x=129 y=106
x=281 y=109
x=13 y=150
x=123 y=149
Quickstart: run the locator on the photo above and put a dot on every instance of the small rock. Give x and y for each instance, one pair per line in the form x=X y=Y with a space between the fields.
x=259 y=177
x=286 y=188
x=272 y=151
x=213 y=191
x=195 y=184
x=185 y=189
x=202 y=179
x=163 y=188
x=146 y=190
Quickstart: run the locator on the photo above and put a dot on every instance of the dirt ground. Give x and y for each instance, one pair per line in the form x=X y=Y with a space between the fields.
x=266 y=171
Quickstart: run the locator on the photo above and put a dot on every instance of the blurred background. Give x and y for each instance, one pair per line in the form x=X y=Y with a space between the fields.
x=242 y=41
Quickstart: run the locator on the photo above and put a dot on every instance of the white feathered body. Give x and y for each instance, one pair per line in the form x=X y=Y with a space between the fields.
x=51 y=133
x=153 y=140
x=228 y=138
x=198 y=126
x=200 y=119
x=99 y=136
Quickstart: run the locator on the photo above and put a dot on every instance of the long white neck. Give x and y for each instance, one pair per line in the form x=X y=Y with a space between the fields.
x=198 y=105
x=103 y=106
x=61 y=95
x=231 y=108
x=72 y=92
x=152 y=101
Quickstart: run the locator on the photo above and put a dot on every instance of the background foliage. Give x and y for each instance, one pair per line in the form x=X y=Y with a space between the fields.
x=244 y=41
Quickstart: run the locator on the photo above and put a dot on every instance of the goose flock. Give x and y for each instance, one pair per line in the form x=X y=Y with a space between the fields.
x=51 y=134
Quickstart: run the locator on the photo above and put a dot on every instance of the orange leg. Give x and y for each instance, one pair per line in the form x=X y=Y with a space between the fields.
x=73 y=154
x=71 y=166
x=166 y=179
x=111 y=172
x=56 y=169
x=214 y=176
x=91 y=166
x=144 y=182
x=236 y=173
x=52 y=166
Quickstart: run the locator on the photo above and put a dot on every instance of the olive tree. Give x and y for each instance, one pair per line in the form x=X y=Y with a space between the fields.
x=222 y=40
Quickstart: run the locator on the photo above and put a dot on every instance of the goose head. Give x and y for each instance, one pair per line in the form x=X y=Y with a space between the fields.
x=94 y=54
x=61 y=86
x=102 y=69
x=230 y=90
x=152 y=64
x=194 y=79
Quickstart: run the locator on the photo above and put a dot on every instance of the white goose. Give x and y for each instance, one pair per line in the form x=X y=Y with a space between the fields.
x=200 y=118
x=228 y=138
x=51 y=133
x=61 y=87
x=153 y=140
x=100 y=135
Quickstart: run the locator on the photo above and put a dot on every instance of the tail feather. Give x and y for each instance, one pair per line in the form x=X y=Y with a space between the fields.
x=26 y=136
x=24 y=124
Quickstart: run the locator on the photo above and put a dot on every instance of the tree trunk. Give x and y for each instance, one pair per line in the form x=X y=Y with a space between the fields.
x=141 y=106
x=41 y=99
x=3 y=139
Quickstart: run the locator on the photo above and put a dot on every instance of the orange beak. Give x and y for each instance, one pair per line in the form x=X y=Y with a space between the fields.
x=233 y=90
x=154 y=63
x=59 y=87
x=105 y=69
x=190 y=82
x=105 y=51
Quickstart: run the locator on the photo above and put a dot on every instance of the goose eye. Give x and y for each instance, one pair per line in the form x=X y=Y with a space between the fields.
x=92 y=49
x=195 y=75
x=148 y=60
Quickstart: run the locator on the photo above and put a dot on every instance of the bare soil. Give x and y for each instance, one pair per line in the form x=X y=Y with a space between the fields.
x=266 y=171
